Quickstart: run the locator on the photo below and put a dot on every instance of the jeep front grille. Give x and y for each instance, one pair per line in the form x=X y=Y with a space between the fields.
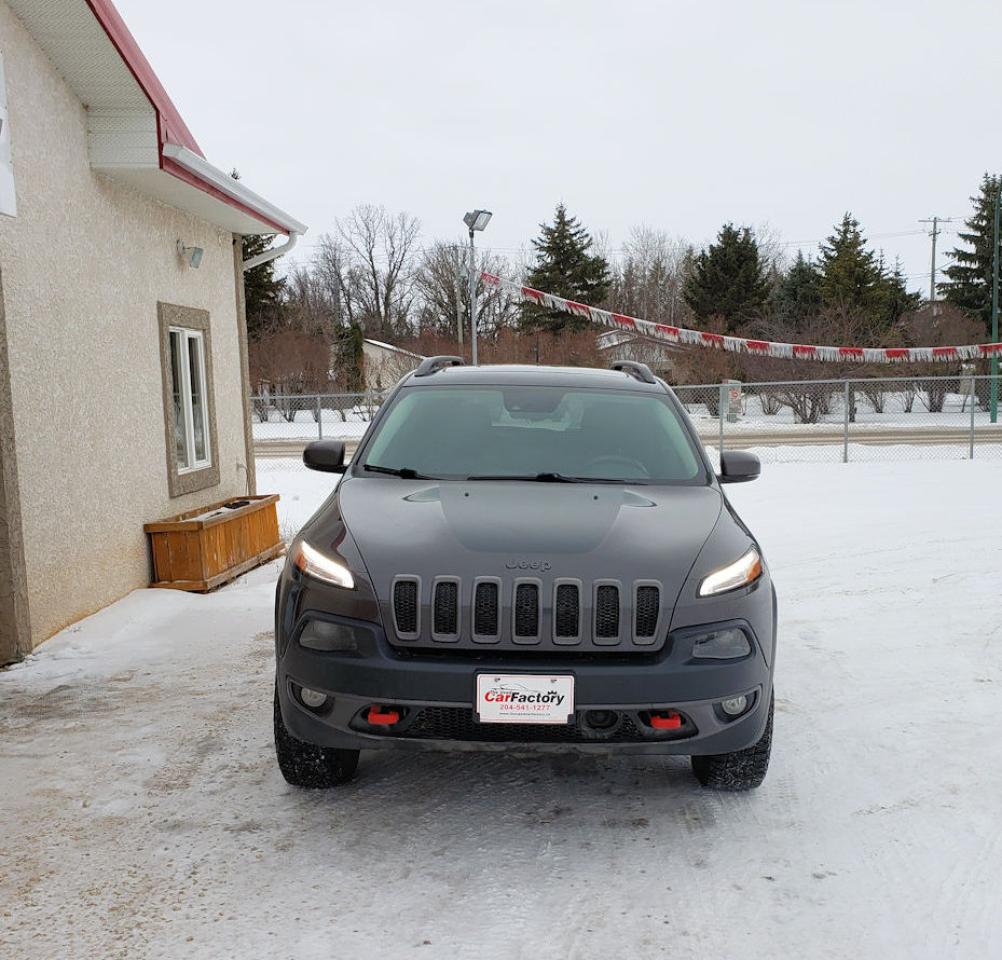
x=526 y=613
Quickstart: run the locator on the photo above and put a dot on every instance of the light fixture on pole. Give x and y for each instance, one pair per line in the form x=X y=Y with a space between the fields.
x=475 y=220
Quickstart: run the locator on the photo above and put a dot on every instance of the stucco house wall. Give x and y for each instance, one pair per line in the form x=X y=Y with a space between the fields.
x=84 y=265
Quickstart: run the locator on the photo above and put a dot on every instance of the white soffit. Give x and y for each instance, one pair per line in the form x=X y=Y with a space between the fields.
x=80 y=50
x=170 y=190
x=123 y=138
x=235 y=189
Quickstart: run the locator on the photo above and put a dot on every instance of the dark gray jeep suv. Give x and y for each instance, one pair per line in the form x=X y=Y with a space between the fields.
x=526 y=558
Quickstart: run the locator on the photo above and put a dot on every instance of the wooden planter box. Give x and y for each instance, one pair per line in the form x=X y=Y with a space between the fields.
x=203 y=548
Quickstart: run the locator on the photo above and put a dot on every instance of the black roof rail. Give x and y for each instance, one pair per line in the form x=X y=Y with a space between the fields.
x=431 y=365
x=634 y=368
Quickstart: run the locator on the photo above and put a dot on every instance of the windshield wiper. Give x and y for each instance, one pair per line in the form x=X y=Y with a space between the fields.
x=532 y=477
x=405 y=472
x=550 y=477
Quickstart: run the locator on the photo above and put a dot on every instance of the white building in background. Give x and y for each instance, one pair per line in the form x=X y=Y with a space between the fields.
x=384 y=364
x=622 y=345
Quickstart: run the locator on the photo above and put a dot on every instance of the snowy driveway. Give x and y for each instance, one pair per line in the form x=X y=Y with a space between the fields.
x=142 y=815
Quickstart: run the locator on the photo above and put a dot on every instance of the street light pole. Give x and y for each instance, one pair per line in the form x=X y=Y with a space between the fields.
x=994 y=383
x=473 y=299
x=475 y=220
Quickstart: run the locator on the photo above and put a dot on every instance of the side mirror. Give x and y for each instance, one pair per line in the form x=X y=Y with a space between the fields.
x=739 y=466
x=325 y=455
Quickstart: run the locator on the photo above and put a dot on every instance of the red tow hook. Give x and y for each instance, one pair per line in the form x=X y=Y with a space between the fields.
x=382 y=718
x=666 y=720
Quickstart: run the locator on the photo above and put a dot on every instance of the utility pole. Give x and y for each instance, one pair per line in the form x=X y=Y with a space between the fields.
x=935 y=221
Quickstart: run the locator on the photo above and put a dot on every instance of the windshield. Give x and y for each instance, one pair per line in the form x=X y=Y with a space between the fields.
x=533 y=432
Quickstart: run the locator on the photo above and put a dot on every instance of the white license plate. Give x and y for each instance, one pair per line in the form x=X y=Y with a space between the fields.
x=524 y=698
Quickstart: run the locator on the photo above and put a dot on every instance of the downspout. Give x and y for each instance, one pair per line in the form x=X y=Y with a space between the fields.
x=272 y=253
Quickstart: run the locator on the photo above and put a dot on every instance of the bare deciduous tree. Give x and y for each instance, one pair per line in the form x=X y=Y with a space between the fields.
x=442 y=285
x=648 y=281
x=371 y=262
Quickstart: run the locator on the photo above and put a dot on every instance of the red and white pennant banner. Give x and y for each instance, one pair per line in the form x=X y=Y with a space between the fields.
x=761 y=348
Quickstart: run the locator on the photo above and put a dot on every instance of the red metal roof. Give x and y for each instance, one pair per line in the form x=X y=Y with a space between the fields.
x=171 y=128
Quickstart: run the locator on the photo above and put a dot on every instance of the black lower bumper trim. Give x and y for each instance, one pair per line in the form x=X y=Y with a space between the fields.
x=461 y=724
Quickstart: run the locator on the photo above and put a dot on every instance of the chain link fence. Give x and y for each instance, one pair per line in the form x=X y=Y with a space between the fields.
x=894 y=418
x=833 y=421
x=297 y=419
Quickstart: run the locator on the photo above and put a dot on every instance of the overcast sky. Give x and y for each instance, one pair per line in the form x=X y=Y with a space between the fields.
x=678 y=115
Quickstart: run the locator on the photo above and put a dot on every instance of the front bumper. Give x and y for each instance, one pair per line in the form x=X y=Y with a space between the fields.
x=434 y=696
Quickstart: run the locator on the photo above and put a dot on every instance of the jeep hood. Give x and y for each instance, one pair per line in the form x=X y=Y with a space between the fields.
x=508 y=529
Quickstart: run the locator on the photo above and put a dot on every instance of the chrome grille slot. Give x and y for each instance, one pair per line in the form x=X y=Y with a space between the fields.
x=406 y=608
x=445 y=610
x=646 y=609
x=607 y=613
x=566 y=612
x=525 y=612
x=487 y=611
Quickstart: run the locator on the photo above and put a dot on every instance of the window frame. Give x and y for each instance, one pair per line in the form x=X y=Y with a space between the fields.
x=185 y=335
x=188 y=325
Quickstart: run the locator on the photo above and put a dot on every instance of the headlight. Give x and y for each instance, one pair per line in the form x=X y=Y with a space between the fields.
x=321 y=567
x=738 y=574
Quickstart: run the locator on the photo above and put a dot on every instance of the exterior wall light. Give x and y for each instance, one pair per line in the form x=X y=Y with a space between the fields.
x=191 y=255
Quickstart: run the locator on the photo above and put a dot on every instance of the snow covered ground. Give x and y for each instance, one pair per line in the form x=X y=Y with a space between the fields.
x=143 y=816
x=348 y=423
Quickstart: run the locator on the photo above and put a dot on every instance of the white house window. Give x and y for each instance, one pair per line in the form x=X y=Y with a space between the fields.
x=188 y=387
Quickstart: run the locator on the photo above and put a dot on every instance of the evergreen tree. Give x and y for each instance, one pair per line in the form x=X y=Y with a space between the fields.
x=262 y=289
x=851 y=275
x=729 y=279
x=897 y=301
x=349 y=358
x=798 y=294
x=853 y=278
x=969 y=283
x=566 y=267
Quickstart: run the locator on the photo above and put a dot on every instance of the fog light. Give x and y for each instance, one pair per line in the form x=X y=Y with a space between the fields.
x=329 y=637
x=729 y=644
x=313 y=699
x=734 y=706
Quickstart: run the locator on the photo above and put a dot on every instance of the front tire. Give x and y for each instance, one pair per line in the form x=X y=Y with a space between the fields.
x=307 y=765
x=739 y=770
